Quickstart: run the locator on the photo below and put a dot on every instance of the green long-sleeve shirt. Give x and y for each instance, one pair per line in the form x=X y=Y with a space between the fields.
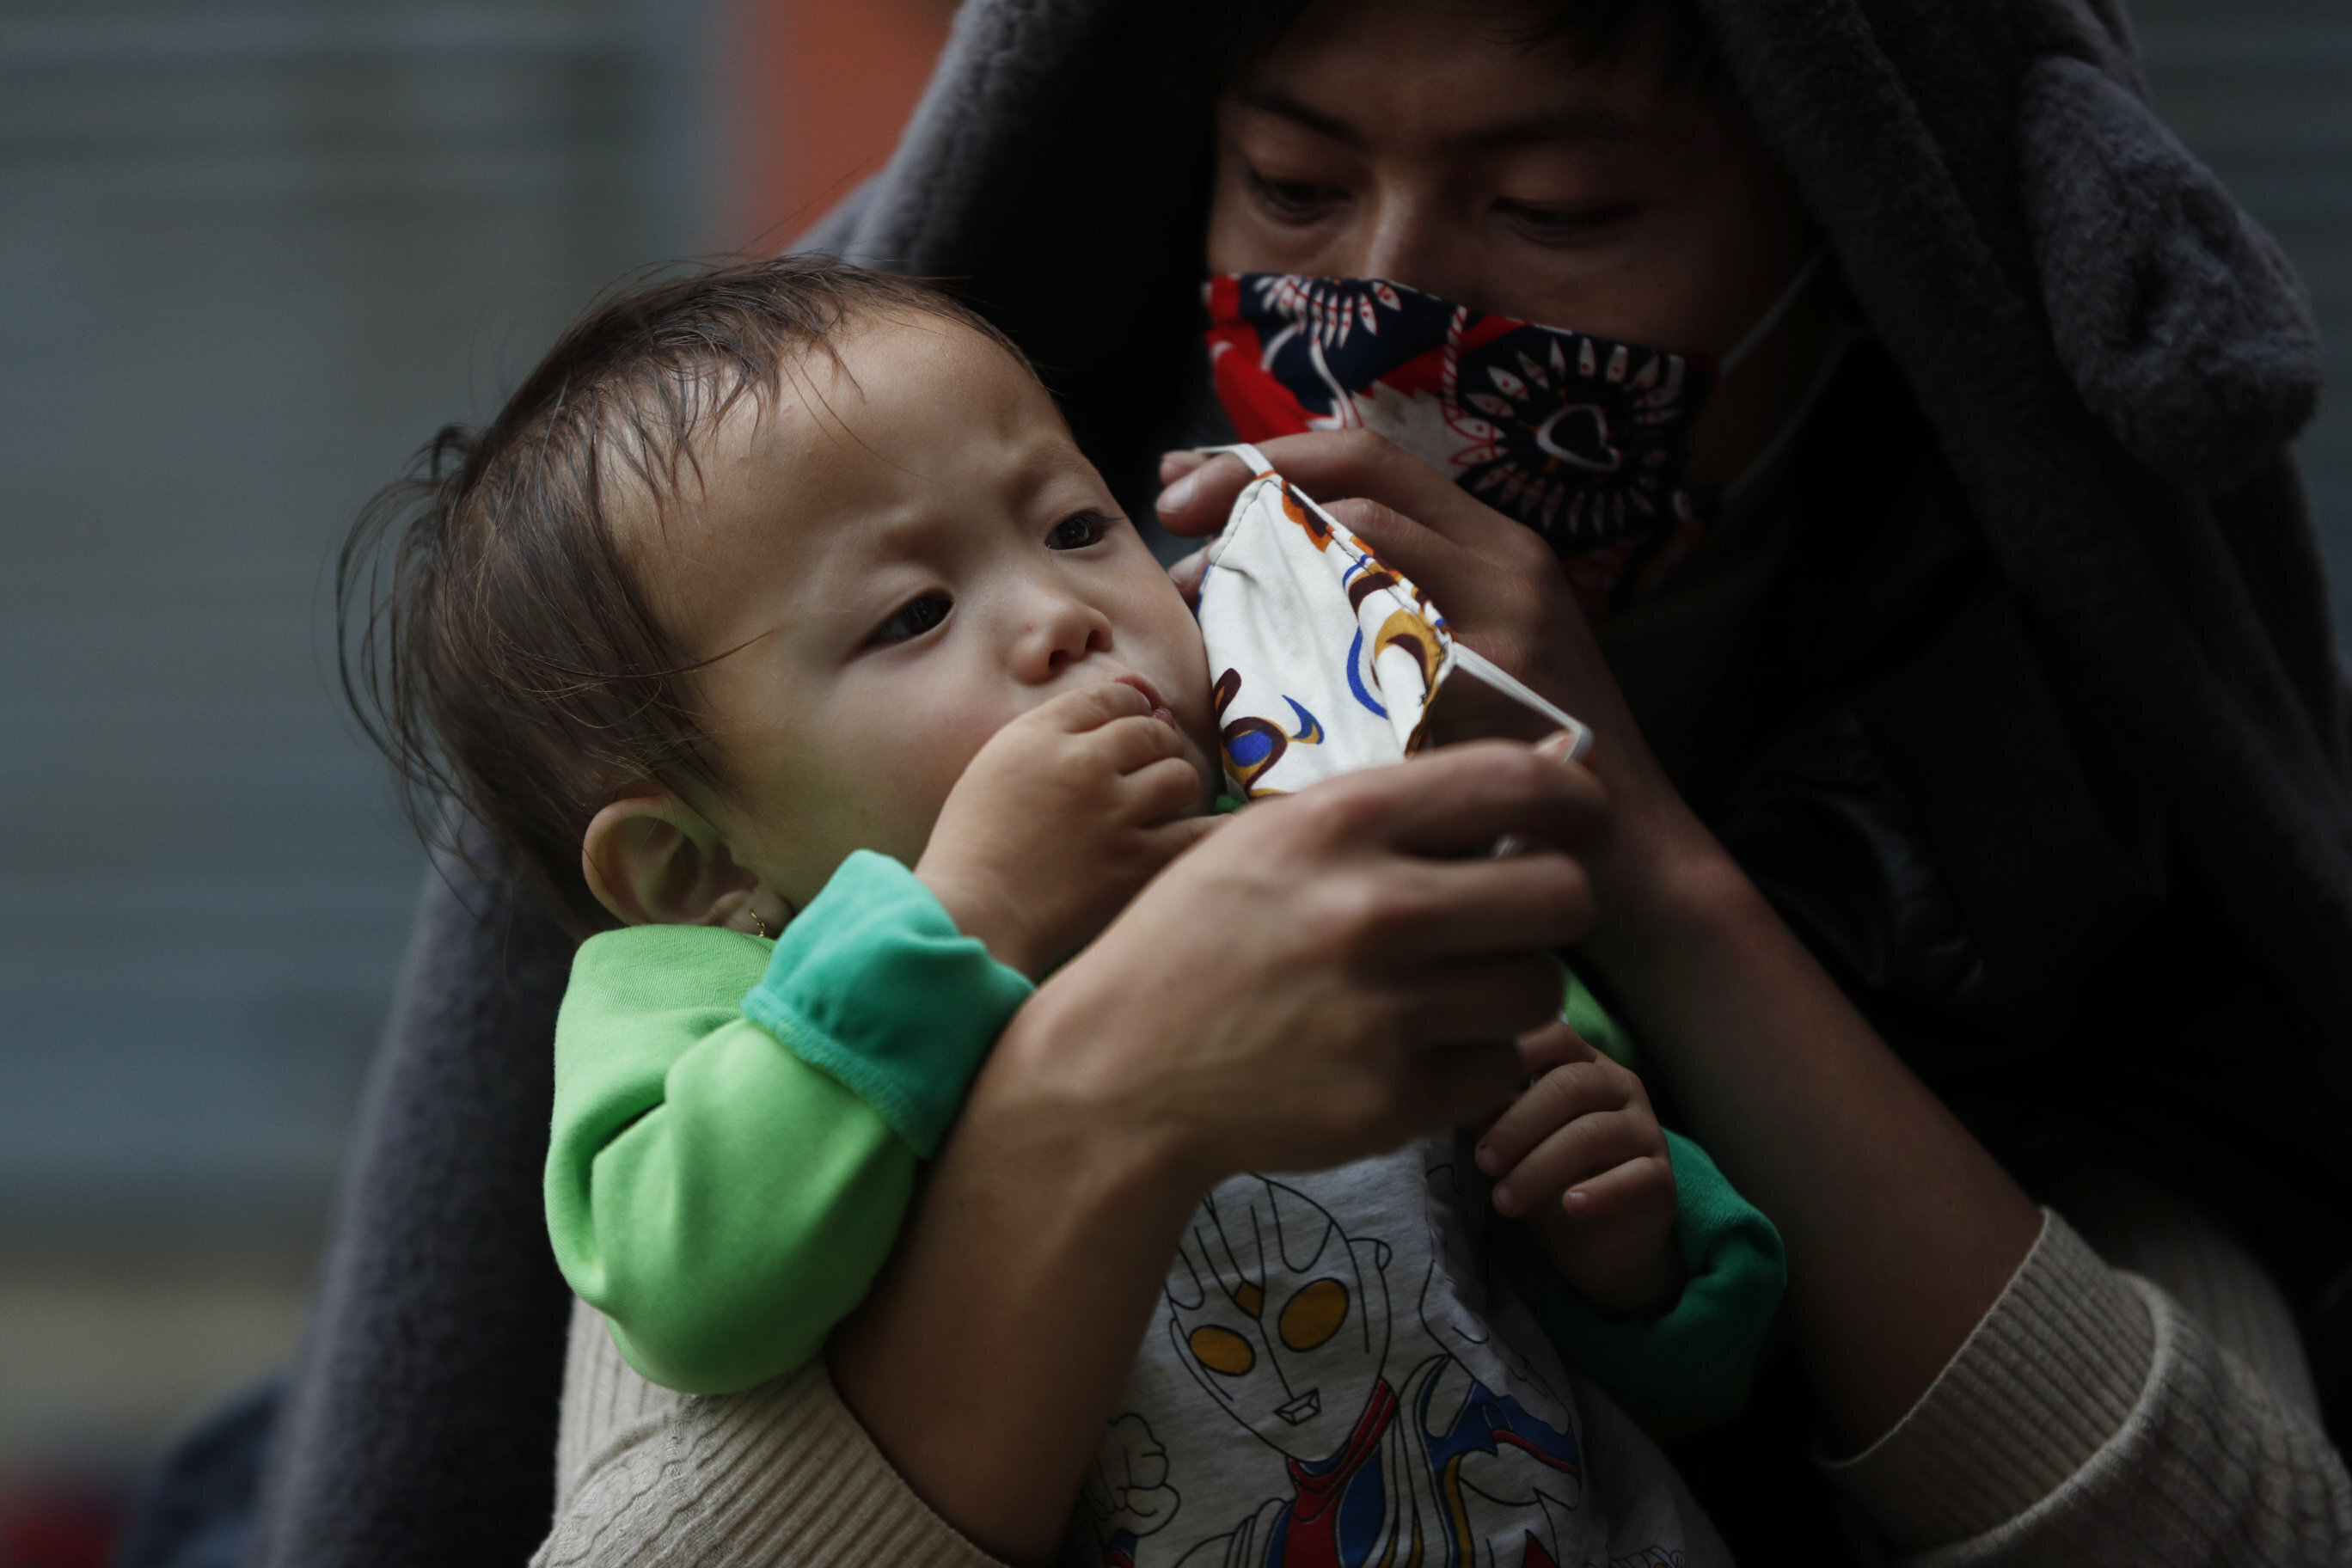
x=738 y=1123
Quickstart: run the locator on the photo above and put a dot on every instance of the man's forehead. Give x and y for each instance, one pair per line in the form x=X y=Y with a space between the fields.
x=1571 y=118
x=1527 y=91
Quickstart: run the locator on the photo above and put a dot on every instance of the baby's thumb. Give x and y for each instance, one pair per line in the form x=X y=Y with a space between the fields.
x=1555 y=1045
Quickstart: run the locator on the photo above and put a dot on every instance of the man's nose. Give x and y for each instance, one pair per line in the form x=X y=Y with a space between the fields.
x=1408 y=237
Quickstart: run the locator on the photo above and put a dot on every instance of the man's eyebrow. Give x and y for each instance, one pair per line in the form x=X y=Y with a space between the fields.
x=1589 y=123
x=1273 y=100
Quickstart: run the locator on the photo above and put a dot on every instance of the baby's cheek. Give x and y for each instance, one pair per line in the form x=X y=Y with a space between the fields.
x=926 y=767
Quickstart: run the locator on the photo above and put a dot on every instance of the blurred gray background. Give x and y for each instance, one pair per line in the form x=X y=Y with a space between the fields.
x=251 y=254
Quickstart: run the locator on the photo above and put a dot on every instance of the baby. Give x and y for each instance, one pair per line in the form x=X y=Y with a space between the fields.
x=778 y=618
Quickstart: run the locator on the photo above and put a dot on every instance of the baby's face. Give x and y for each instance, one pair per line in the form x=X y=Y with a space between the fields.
x=891 y=561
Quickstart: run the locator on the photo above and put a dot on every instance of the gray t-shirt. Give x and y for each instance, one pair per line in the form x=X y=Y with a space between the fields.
x=1334 y=1377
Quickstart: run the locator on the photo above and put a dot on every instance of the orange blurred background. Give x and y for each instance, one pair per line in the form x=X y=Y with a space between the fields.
x=825 y=88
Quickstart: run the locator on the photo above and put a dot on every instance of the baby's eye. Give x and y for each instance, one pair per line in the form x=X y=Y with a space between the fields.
x=913 y=619
x=1079 y=529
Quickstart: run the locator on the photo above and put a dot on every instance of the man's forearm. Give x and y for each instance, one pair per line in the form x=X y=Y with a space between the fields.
x=988 y=1356
x=1901 y=1230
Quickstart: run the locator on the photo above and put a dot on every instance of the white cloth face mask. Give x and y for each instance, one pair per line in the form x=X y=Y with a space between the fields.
x=1325 y=659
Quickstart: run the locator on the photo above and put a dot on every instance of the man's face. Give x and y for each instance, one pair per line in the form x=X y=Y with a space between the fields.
x=1429 y=145
x=887 y=563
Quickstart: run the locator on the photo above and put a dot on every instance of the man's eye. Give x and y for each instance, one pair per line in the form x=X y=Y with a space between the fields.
x=1295 y=200
x=1562 y=223
x=1077 y=531
x=913 y=619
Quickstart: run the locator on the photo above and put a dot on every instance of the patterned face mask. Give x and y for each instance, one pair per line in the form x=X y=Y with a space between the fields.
x=1584 y=440
x=1327 y=659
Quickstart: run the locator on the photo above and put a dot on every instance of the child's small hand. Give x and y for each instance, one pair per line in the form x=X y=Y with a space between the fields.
x=1059 y=821
x=1581 y=1156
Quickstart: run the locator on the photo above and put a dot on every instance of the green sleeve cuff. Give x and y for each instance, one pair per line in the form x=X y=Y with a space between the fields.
x=721 y=1201
x=873 y=984
x=1689 y=1368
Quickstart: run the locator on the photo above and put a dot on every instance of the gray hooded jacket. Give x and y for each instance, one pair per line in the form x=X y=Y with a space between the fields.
x=2105 y=359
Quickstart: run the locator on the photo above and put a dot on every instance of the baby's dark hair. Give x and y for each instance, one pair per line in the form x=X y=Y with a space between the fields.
x=496 y=642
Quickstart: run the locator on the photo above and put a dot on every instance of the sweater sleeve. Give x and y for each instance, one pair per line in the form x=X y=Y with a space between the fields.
x=2090 y=1419
x=778 y=1474
x=737 y=1124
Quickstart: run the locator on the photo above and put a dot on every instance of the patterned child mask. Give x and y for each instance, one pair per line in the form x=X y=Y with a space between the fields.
x=1582 y=440
x=1327 y=660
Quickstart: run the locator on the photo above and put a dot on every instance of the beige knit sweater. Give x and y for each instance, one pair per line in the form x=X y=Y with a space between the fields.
x=2157 y=1418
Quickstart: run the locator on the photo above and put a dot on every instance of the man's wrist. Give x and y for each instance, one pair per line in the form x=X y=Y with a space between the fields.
x=1664 y=896
x=1053 y=1084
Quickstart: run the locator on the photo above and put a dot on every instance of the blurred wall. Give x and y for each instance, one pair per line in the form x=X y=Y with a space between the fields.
x=251 y=254
x=823 y=87
x=2261 y=89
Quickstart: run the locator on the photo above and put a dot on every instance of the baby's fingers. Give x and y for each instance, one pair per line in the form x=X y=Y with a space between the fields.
x=1168 y=787
x=1133 y=744
x=1549 y=1104
x=1090 y=707
x=1646 y=1183
x=1555 y=1045
x=1575 y=1154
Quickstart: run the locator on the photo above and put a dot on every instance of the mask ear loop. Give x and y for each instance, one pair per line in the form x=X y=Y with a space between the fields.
x=1468 y=660
x=1775 y=313
x=1823 y=373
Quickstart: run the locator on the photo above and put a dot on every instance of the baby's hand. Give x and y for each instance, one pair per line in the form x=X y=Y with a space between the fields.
x=1581 y=1154
x=1059 y=820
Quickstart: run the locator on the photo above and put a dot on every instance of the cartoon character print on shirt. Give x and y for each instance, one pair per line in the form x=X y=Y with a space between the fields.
x=1395 y=1452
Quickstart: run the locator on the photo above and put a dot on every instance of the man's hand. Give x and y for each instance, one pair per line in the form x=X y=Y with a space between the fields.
x=1059 y=821
x=1581 y=1155
x=1332 y=974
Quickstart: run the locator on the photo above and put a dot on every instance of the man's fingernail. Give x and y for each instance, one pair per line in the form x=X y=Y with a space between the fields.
x=1556 y=745
x=1506 y=1200
x=1178 y=496
x=1486 y=1160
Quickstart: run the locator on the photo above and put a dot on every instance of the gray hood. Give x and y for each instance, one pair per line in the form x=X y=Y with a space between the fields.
x=2111 y=354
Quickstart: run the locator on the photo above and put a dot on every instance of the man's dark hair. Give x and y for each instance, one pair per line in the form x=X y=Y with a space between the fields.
x=1593 y=28
x=496 y=642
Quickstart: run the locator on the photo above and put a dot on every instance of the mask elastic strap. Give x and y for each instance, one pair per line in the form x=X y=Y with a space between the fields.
x=1823 y=373
x=1479 y=667
x=1778 y=311
x=1469 y=661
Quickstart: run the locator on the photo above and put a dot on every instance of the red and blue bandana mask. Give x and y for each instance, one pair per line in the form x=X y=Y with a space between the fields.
x=1582 y=440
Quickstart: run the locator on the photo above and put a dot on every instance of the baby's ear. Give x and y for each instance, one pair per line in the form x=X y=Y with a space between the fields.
x=653 y=859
